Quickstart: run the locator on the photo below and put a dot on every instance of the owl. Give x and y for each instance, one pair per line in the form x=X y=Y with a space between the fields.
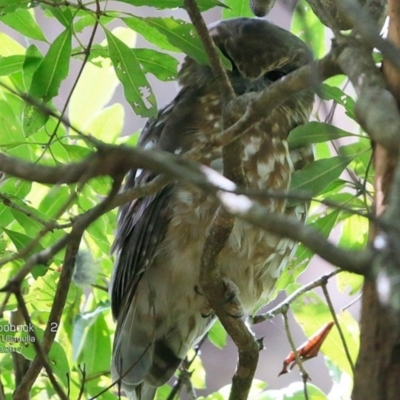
x=159 y=310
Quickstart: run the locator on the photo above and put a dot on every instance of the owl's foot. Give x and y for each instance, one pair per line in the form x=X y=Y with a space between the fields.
x=231 y=303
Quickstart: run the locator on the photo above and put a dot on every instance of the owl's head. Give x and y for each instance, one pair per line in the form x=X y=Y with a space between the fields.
x=258 y=50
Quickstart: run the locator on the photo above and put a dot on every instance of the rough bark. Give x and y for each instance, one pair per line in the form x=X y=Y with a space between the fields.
x=377 y=373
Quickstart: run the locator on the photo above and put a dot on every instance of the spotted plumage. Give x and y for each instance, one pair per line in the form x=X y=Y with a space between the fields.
x=159 y=310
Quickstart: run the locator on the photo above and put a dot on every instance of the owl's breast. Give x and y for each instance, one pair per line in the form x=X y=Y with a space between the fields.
x=253 y=259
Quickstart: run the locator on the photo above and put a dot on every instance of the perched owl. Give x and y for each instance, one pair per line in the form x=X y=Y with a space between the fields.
x=160 y=311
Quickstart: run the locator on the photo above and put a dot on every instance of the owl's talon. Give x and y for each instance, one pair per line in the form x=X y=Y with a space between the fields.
x=198 y=291
x=231 y=304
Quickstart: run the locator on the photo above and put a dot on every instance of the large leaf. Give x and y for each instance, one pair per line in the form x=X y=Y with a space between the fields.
x=57 y=357
x=127 y=67
x=96 y=352
x=311 y=313
x=82 y=324
x=22 y=21
x=53 y=69
x=161 y=65
x=11 y=64
x=236 y=8
x=33 y=58
x=47 y=79
x=161 y=4
x=315 y=132
x=10 y=6
x=182 y=35
x=63 y=14
x=314 y=178
x=149 y=32
x=308 y=27
x=328 y=92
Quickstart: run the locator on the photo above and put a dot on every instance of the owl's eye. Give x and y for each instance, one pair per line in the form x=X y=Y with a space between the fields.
x=274 y=75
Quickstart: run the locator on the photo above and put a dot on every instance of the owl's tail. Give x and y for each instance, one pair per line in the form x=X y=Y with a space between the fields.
x=133 y=356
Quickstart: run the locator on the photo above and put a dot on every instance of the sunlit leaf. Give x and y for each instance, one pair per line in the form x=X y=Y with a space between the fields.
x=161 y=4
x=310 y=312
x=315 y=132
x=11 y=64
x=82 y=323
x=237 y=8
x=53 y=69
x=57 y=357
x=308 y=27
x=217 y=335
x=96 y=352
x=163 y=66
x=63 y=14
x=137 y=90
x=22 y=21
x=46 y=80
x=295 y=391
x=182 y=34
x=10 y=6
x=350 y=283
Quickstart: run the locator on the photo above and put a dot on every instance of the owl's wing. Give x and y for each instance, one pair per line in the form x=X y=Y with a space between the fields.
x=142 y=223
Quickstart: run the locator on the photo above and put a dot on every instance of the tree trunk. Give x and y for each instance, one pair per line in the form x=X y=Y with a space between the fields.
x=377 y=373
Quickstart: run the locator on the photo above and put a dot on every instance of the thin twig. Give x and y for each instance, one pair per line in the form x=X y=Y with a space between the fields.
x=283 y=306
x=38 y=348
x=339 y=328
x=304 y=374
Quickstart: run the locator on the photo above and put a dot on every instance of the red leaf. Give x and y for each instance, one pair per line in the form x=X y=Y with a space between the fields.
x=308 y=349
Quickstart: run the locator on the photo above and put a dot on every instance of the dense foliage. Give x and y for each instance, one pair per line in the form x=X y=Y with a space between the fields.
x=35 y=66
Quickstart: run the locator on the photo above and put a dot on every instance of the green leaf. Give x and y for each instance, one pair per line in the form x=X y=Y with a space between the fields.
x=136 y=88
x=30 y=225
x=303 y=255
x=307 y=26
x=217 y=335
x=82 y=323
x=10 y=127
x=182 y=34
x=53 y=69
x=11 y=64
x=150 y=33
x=10 y=6
x=22 y=21
x=295 y=391
x=161 y=65
x=315 y=177
x=315 y=132
x=311 y=313
x=20 y=240
x=33 y=58
x=12 y=187
x=236 y=8
x=162 y=4
x=63 y=14
x=108 y=124
x=89 y=98
x=57 y=357
x=55 y=199
x=96 y=353
x=46 y=80
x=350 y=283
x=328 y=92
